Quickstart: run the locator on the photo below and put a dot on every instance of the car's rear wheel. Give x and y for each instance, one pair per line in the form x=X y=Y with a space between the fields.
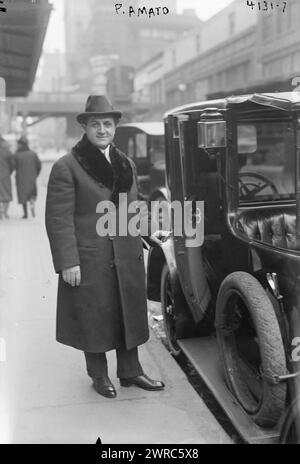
x=251 y=347
x=168 y=311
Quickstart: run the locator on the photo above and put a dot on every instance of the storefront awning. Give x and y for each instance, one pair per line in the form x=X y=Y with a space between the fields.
x=22 y=32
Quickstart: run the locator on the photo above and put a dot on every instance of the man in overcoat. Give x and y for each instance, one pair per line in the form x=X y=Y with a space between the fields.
x=101 y=302
x=28 y=168
x=6 y=169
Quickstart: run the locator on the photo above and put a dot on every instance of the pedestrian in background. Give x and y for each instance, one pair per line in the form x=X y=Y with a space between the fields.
x=28 y=167
x=6 y=169
x=101 y=303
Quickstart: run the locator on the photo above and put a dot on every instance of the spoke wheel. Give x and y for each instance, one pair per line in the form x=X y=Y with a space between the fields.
x=251 y=348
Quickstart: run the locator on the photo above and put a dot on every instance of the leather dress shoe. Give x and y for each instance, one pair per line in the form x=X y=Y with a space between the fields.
x=143 y=381
x=104 y=387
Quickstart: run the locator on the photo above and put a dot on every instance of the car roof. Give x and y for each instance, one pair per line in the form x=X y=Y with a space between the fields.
x=150 y=128
x=281 y=100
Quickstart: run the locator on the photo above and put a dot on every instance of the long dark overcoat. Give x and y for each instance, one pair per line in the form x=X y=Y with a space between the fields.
x=28 y=167
x=6 y=169
x=109 y=308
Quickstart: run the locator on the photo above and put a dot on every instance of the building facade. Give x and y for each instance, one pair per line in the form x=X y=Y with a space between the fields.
x=95 y=34
x=278 y=43
x=51 y=74
x=78 y=40
x=236 y=49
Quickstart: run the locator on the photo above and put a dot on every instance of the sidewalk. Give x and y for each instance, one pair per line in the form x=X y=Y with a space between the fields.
x=45 y=394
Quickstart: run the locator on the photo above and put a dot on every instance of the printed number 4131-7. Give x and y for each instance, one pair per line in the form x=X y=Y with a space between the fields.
x=267 y=6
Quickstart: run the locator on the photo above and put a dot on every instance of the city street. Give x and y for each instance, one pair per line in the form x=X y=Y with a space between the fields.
x=45 y=394
x=204 y=101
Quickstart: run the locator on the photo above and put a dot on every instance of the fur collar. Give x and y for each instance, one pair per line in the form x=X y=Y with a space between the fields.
x=117 y=176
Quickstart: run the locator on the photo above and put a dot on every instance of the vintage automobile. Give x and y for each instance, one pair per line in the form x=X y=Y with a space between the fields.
x=232 y=303
x=144 y=142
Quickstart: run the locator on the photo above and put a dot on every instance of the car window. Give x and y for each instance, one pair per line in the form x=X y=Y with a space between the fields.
x=157 y=148
x=268 y=172
x=141 y=145
x=130 y=149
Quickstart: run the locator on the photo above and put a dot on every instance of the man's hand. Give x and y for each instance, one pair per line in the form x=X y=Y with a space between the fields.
x=72 y=276
x=160 y=236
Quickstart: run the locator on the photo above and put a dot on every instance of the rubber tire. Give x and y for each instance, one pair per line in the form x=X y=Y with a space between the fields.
x=174 y=349
x=290 y=434
x=267 y=411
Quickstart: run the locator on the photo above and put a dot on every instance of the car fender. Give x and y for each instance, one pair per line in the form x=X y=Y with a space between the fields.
x=159 y=192
x=159 y=256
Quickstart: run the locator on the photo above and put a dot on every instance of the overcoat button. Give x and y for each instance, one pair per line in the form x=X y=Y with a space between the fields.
x=140 y=257
x=112 y=265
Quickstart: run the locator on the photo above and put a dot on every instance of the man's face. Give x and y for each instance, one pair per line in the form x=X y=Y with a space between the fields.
x=100 y=131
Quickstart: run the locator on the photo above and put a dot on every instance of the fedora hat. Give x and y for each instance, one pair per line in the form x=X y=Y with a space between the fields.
x=23 y=140
x=98 y=105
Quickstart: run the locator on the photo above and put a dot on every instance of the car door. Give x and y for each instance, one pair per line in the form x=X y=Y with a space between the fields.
x=188 y=252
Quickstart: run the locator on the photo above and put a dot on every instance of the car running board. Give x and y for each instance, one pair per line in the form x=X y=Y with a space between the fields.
x=203 y=354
